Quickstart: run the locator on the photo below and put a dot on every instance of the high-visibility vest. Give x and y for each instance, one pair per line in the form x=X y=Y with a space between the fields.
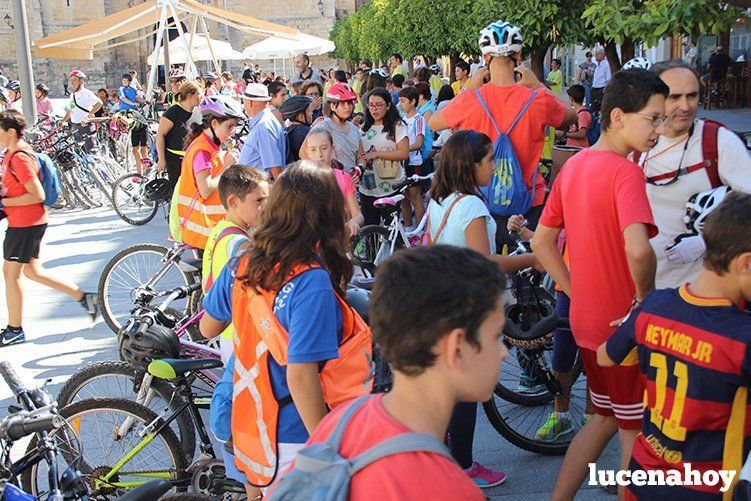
x=255 y=409
x=191 y=216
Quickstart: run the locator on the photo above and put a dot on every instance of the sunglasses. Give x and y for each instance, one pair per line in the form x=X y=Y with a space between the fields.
x=377 y=106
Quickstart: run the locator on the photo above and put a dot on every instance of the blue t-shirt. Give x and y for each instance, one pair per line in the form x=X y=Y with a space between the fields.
x=308 y=310
x=128 y=93
x=266 y=145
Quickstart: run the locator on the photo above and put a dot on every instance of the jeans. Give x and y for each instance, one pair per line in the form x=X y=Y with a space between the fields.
x=587 y=93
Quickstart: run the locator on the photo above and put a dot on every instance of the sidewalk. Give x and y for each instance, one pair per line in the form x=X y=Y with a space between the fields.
x=738 y=120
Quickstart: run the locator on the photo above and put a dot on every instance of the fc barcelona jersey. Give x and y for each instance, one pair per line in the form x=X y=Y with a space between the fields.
x=695 y=356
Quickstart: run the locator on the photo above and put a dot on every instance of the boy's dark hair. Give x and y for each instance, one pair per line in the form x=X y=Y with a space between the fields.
x=727 y=232
x=398 y=57
x=275 y=87
x=630 y=90
x=407 y=326
x=446 y=93
x=661 y=67
x=340 y=76
x=558 y=62
x=422 y=74
x=398 y=80
x=577 y=93
x=464 y=65
x=423 y=89
x=13 y=119
x=411 y=94
x=239 y=180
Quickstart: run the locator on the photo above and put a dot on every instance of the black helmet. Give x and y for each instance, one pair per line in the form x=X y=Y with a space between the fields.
x=14 y=85
x=139 y=349
x=295 y=105
x=209 y=76
x=43 y=88
x=358 y=299
x=156 y=190
x=66 y=159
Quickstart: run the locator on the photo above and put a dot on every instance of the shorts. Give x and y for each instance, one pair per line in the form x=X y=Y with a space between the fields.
x=423 y=169
x=230 y=468
x=138 y=136
x=286 y=454
x=21 y=244
x=616 y=391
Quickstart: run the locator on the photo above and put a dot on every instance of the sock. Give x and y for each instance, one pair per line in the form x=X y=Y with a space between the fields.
x=13 y=329
x=563 y=415
x=83 y=299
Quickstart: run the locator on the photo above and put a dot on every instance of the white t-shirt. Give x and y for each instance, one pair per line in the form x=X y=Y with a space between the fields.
x=86 y=99
x=346 y=142
x=464 y=212
x=374 y=139
x=669 y=202
x=415 y=127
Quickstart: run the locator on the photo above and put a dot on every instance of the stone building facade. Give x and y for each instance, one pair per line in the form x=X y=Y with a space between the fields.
x=47 y=17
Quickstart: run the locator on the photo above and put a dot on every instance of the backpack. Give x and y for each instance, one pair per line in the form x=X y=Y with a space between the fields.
x=507 y=193
x=321 y=473
x=709 y=153
x=47 y=176
x=230 y=230
x=593 y=133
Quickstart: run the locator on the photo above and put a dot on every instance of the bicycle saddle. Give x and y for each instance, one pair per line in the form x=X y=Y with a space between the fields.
x=191 y=265
x=172 y=368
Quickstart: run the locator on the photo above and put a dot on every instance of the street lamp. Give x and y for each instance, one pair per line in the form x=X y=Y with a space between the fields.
x=320 y=6
x=9 y=21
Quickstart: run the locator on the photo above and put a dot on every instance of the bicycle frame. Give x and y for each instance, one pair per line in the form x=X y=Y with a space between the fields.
x=396 y=228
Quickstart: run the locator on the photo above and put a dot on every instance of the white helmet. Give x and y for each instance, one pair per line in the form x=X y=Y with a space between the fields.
x=699 y=206
x=500 y=39
x=637 y=62
x=221 y=106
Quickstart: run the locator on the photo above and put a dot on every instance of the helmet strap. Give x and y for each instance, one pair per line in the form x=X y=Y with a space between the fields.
x=213 y=136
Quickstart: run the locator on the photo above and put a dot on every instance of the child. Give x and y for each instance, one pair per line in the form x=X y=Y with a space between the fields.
x=577 y=132
x=612 y=263
x=408 y=99
x=320 y=146
x=707 y=374
x=243 y=191
x=445 y=342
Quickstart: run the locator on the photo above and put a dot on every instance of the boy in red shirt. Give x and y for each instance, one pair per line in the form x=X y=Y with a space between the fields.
x=444 y=346
x=600 y=198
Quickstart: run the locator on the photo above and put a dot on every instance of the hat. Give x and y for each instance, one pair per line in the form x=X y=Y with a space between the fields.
x=256 y=92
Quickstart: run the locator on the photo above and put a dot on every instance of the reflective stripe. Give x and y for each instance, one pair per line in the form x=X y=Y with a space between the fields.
x=179 y=153
x=200 y=206
x=253 y=466
x=196 y=228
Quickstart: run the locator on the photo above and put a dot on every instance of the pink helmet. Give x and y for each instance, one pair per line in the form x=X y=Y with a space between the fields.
x=176 y=73
x=339 y=92
x=78 y=73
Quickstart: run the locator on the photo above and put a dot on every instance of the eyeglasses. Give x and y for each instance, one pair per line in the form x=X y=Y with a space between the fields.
x=656 y=121
x=376 y=106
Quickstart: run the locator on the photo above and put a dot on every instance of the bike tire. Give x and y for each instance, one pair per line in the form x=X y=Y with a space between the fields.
x=86 y=375
x=149 y=213
x=102 y=185
x=110 y=312
x=75 y=412
x=367 y=245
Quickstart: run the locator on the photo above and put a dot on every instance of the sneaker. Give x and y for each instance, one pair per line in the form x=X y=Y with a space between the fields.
x=553 y=428
x=9 y=337
x=484 y=478
x=90 y=303
x=530 y=386
x=586 y=418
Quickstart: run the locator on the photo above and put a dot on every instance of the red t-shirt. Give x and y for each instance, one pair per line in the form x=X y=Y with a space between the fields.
x=23 y=168
x=583 y=121
x=528 y=136
x=410 y=475
x=595 y=197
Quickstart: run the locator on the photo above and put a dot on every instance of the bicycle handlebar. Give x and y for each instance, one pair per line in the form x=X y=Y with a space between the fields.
x=15 y=428
x=11 y=378
x=412 y=181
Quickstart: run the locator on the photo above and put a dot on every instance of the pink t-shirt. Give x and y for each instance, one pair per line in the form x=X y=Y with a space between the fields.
x=201 y=161
x=595 y=197
x=345 y=183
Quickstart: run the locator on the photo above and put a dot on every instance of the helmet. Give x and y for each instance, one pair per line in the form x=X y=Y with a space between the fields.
x=78 y=73
x=295 y=105
x=379 y=71
x=66 y=159
x=637 y=62
x=434 y=69
x=220 y=106
x=4 y=96
x=127 y=76
x=700 y=205
x=14 y=85
x=139 y=349
x=176 y=73
x=500 y=39
x=340 y=92
x=209 y=76
x=43 y=88
x=156 y=190
x=358 y=299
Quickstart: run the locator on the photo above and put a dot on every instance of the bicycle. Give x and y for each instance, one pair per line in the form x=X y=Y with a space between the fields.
x=374 y=243
x=133 y=197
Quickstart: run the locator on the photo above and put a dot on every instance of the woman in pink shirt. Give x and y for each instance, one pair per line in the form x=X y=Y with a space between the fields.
x=320 y=146
x=44 y=106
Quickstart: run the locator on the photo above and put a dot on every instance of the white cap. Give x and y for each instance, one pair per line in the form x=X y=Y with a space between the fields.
x=256 y=92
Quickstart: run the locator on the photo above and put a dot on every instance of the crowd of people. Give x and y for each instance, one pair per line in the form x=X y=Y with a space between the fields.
x=654 y=294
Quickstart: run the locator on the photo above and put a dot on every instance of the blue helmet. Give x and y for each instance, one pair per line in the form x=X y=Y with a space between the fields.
x=500 y=39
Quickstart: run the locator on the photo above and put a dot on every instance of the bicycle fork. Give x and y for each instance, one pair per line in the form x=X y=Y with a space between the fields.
x=145 y=394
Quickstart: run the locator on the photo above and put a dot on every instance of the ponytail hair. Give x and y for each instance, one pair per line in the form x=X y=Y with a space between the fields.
x=195 y=130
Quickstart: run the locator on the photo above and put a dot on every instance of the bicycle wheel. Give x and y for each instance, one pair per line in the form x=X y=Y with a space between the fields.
x=519 y=424
x=117 y=379
x=130 y=205
x=137 y=274
x=370 y=247
x=96 y=423
x=96 y=172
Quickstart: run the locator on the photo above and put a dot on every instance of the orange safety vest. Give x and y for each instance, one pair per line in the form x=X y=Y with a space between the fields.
x=255 y=409
x=191 y=216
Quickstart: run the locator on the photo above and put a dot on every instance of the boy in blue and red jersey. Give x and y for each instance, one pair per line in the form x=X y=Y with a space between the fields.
x=693 y=347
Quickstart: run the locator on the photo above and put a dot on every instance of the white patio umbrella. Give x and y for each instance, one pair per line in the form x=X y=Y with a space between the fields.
x=199 y=50
x=280 y=48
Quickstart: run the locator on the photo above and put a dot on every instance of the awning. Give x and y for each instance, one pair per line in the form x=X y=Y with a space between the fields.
x=81 y=41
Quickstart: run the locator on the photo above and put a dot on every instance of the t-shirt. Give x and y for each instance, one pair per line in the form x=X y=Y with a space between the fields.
x=357 y=87
x=601 y=75
x=266 y=145
x=399 y=70
x=583 y=121
x=211 y=91
x=528 y=137
x=128 y=93
x=346 y=185
x=173 y=141
x=595 y=197
x=464 y=212
x=85 y=100
x=410 y=475
x=202 y=158
x=44 y=108
x=316 y=77
x=309 y=311
x=346 y=141
x=375 y=139
x=669 y=202
x=296 y=134
x=588 y=70
x=23 y=168
x=436 y=83
x=555 y=77
x=415 y=127
x=695 y=355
